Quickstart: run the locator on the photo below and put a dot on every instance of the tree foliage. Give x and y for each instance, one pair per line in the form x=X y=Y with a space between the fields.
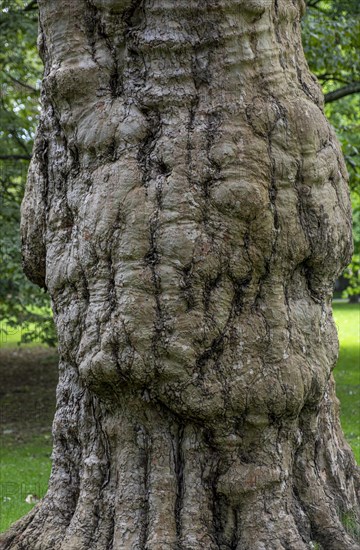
x=331 y=37
x=22 y=304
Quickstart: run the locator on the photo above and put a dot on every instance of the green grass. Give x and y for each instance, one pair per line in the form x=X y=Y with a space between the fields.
x=12 y=335
x=347 y=371
x=350 y=522
x=24 y=470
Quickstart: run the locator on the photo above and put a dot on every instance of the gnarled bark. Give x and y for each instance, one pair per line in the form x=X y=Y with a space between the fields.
x=187 y=209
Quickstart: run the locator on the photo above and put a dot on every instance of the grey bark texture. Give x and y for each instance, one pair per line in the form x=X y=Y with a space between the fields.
x=187 y=210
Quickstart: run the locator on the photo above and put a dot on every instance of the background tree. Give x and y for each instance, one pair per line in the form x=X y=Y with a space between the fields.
x=331 y=34
x=21 y=303
x=187 y=208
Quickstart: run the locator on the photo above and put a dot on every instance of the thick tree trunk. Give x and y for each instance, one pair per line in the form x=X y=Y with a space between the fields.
x=187 y=209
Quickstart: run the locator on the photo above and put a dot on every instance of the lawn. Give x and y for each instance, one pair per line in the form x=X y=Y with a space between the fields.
x=25 y=451
x=13 y=335
x=27 y=404
x=347 y=371
x=24 y=476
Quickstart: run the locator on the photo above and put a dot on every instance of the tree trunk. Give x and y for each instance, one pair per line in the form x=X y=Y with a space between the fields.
x=187 y=210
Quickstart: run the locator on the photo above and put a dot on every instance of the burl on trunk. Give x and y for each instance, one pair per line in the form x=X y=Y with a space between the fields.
x=187 y=210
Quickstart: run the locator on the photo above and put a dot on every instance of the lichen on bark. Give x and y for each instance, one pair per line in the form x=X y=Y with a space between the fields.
x=187 y=210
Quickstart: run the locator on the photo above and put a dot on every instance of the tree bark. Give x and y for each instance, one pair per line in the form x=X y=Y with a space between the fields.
x=187 y=209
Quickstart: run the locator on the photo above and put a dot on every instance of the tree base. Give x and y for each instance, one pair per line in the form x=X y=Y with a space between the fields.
x=138 y=478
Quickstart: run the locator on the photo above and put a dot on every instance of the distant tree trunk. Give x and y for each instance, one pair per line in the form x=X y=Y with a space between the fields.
x=187 y=210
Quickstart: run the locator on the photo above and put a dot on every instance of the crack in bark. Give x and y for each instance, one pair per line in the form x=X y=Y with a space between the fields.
x=180 y=489
x=147 y=147
x=146 y=467
x=217 y=347
x=212 y=133
x=186 y=285
x=91 y=23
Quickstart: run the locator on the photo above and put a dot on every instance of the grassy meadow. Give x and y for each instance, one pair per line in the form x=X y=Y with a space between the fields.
x=347 y=371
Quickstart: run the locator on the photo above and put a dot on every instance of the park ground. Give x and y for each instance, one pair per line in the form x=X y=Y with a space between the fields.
x=27 y=403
